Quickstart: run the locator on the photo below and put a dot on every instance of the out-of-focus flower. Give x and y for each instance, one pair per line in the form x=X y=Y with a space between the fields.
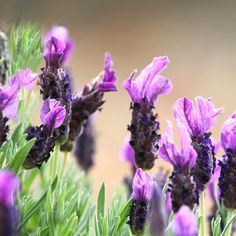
x=142 y=194
x=198 y=121
x=185 y=222
x=23 y=79
x=9 y=101
x=85 y=146
x=52 y=114
x=182 y=187
x=9 y=215
x=4 y=57
x=227 y=181
x=144 y=126
x=109 y=79
x=157 y=216
x=127 y=153
x=150 y=83
x=88 y=101
x=61 y=33
x=53 y=52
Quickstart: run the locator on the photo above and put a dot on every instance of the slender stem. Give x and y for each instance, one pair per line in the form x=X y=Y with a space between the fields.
x=64 y=163
x=202 y=215
x=229 y=216
x=28 y=99
x=55 y=160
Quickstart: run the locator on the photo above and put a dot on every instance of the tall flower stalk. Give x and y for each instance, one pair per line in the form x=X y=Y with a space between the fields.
x=144 y=127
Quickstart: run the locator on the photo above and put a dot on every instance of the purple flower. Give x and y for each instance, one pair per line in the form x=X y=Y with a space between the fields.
x=61 y=33
x=149 y=84
x=54 y=51
x=197 y=120
x=23 y=79
x=9 y=185
x=228 y=134
x=169 y=152
x=109 y=79
x=168 y=203
x=127 y=153
x=52 y=114
x=9 y=101
x=142 y=186
x=184 y=222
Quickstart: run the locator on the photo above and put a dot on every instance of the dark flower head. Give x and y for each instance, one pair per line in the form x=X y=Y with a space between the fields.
x=185 y=222
x=197 y=120
x=54 y=51
x=149 y=84
x=61 y=33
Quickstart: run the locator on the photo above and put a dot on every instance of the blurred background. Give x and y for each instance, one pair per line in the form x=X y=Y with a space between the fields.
x=198 y=36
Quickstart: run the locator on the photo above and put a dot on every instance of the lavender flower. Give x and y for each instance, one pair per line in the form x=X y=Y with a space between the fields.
x=142 y=194
x=61 y=33
x=52 y=116
x=4 y=58
x=89 y=101
x=23 y=79
x=55 y=82
x=9 y=216
x=157 y=216
x=198 y=122
x=144 y=126
x=85 y=146
x=227 y=183
x=8 y=109
x=182 y=186
x=184 y=222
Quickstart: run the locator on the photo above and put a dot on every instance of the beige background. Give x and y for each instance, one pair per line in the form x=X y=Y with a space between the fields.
x=198 y=36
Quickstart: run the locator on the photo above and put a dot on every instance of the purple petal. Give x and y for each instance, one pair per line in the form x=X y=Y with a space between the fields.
x=228 y=134
x=9 y=185
x=109 y=79
x=52 y=114
x=168 y=203
x=142 y=186
x=184 y=222
x=9 y=101
x=127 y=153
x=54 y=51
x=150 y=72
x=23 y=79
x=214 y=183
x=188 y=154
x=168 y=150
x=206 y=114
x=132 y=88
x=62 y=34
x=185 y=114
x=159 y=85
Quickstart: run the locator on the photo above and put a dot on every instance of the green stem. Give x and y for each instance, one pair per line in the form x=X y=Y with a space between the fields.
x=229 y=228
x=64 y=163
x=202 y=215
x=55 y=160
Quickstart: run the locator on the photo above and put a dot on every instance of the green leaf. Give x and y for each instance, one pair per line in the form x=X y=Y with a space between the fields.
x=20 y=156
x=124 y=214
x=16 y=135
x=101 y=201
x=37 y=205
